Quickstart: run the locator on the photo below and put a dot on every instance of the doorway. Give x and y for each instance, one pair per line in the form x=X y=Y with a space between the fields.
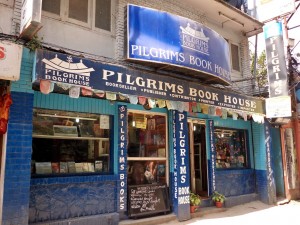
x=198 y=157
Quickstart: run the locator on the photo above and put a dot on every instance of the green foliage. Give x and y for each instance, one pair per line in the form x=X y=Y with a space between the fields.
x=218 y=197
x=261 y=69
x=194 y=199
x=34 y=43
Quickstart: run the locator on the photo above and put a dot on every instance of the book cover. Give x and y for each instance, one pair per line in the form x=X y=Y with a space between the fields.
x=161 y=170
x=43 y=167
x=63 y=167
x=78 y=167
x=55 y=167
x=91 y=167
x=71 y=167
x=98 y=166
x=85 y=167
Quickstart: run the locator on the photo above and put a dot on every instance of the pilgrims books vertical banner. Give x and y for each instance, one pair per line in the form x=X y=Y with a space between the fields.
x=122 y=160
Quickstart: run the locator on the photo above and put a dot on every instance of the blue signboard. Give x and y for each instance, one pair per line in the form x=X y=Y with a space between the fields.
x=181 y=166
x=161 y=37
x=73 y=70
x=122 y=155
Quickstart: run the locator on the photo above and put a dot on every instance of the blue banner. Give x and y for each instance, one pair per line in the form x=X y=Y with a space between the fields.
x=170 y=39
x=181 y=166
x=73 y=70
x=122 y=158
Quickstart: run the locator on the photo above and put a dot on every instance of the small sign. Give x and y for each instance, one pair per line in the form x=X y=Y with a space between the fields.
x=104 y=122
x=10 y=61
x=278 y=107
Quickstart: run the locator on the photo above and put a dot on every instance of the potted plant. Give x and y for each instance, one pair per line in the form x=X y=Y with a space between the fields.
x=195 y=201
x=218 y=198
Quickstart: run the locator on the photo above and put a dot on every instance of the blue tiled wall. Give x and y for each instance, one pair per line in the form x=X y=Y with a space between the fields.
x=70 y=197
x=18 y=160
x=235 y=182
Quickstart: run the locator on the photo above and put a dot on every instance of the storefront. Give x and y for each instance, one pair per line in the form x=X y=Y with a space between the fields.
x=109 y=142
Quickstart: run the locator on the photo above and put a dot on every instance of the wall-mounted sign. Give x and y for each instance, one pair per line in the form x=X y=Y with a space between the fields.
x=122 y=158
x=276 y=63
x=10 y=61
x=173 y=40
x=79 y=71
x=278 y=107
x=279 y=8
x=30 y=18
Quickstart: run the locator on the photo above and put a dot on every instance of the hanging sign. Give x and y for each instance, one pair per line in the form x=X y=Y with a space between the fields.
x=276 y=63
x=169 y=39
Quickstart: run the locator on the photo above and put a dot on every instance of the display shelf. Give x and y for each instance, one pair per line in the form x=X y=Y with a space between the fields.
x=68 y=137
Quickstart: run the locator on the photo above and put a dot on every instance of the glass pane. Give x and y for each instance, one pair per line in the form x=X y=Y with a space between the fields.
x=52 y=6
x=146 y=172
x=78 y=10
x=235 y=57
x=69 y=142
x=103 y=14
x=147 y=135
x=230 y=148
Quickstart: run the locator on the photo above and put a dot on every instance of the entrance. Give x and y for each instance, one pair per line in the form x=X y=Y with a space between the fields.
x=198 y=158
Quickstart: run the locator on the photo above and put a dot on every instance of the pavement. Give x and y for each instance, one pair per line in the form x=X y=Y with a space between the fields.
x=254 y=213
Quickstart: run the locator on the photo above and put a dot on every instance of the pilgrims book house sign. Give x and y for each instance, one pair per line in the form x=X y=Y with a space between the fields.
x=164 y=38
x=76 y=71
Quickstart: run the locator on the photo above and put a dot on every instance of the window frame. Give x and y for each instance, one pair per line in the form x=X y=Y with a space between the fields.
x=145 y=159
x=64 y=16
x=238 y=56
x=109 y=156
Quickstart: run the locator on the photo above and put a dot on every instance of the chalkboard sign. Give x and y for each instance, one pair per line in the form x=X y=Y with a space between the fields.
x=147 y=199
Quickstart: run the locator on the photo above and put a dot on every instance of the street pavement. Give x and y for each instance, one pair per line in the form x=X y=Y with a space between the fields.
x=253 y=213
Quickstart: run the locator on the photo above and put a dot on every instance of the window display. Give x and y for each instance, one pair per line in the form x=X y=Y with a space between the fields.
x=69 y=142
x=231 y=148
x=147 y=148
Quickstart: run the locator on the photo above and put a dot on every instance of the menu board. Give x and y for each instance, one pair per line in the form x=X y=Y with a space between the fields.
x=147 y=199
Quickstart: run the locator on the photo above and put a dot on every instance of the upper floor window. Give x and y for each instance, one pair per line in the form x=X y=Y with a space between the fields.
x=235 y=57
x=95 y=14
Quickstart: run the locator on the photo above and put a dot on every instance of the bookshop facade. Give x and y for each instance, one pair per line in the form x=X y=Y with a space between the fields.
x=108 y=142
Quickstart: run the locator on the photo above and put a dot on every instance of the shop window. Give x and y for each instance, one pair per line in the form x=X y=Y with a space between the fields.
x=147 y=148
x=231 y=148
x=68 y=142
x=95 y=14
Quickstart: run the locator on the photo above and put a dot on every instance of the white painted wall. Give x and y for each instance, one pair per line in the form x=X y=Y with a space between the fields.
x=6 y=17
x=77 y=38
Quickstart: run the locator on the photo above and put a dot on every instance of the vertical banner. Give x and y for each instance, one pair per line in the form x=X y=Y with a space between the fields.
x=297 y=94
x=276 y=64
x=181 y=166
x=212 y=180
x=270 y=173
x=122 y=161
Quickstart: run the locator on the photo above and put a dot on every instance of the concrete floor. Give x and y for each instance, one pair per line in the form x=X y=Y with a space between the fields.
x=253 y=213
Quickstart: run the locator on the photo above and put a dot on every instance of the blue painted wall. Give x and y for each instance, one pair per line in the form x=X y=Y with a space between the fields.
x=277 y=160
x=18 y=149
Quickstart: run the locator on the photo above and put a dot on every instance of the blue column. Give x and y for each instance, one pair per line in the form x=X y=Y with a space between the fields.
x=18 y=160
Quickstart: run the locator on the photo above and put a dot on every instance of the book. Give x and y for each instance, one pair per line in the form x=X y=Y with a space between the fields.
x=91 y=167
x=98 y=166
x=63 y=167
x=85 y=167
x=161 y=170
x=78 y=167
x=43 y=167
x=55 y=167
x=71 y=167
